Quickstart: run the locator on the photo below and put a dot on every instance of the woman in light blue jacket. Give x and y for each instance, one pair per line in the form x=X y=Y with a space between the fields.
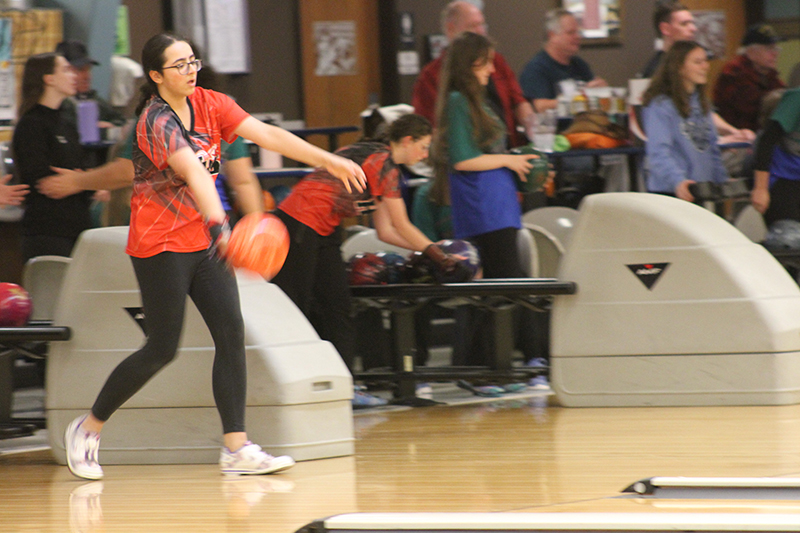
x=681 y=140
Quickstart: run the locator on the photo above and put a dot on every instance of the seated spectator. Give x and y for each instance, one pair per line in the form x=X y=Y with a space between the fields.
x=776 y=191
x=556 y=62
x=681 y=140
x=749 y=76
x=503 y=91
x=673 y=22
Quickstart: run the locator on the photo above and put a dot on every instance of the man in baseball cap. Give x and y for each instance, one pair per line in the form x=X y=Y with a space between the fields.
x=748 y=77
x=78 y=56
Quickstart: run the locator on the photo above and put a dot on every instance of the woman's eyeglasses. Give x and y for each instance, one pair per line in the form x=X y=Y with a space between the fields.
x=183 y=68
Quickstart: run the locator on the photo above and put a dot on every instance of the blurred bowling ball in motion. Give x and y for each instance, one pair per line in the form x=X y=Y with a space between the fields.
x=395 y=266
x=279 y=193
x=259 y=243
x=465 y=251
x=367 y=268
x=15 y=305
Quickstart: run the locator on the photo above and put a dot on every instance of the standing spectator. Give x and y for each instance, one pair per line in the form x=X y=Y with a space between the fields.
x=776 y=190
x=42 y=140
x=503 y=91
x=681 y=140
x=556 y=62
x=78 y=56
x=747 y=78
x=473 y=172
x=673 y=22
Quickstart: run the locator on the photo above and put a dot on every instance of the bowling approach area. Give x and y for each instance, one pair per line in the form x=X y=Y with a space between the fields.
x=675 y=358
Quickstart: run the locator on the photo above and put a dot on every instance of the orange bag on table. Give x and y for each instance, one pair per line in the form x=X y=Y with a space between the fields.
x=593 y=129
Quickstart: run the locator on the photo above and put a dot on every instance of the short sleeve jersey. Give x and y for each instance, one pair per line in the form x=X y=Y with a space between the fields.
x=164 y=214
x=461 y=137
x=321 y=200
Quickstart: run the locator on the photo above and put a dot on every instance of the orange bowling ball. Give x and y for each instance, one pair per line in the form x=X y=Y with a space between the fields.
x=259 y=243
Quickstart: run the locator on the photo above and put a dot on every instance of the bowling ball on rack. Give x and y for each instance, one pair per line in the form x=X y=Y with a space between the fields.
x=15 y=305
x=367 y=268
x=259 y=243
x=419 y=269
x=783 y=235
x=465 y=251
x=395 y=266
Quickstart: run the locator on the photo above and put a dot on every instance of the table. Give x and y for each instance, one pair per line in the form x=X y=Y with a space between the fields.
x=499 y=296
x=634 y=154
x=332 y=132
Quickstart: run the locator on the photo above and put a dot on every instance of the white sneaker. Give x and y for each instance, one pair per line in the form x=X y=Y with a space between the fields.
x=251 y=459
x=81 y=447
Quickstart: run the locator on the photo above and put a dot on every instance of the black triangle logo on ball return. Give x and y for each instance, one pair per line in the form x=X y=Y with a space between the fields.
x=137 y=314
x=648 y=273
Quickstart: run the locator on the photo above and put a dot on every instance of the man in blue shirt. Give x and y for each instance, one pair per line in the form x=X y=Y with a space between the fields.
x=556 y=62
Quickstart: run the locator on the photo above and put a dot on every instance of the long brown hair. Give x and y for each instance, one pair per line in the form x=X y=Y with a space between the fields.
x=458 y=75
x=668 y=81
x=36 y=68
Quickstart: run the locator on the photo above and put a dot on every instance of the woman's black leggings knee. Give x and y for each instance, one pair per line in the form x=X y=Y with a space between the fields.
x=164 y=281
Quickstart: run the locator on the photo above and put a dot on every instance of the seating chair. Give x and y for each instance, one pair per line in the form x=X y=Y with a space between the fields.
x=559 y=221
x=42 y=278
x=548 y=248
x=368 y=241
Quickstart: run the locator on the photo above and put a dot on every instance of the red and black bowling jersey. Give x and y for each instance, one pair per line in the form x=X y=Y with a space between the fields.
x=321 y=201
x=164 y=215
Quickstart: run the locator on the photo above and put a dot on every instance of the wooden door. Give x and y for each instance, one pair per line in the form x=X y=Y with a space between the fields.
x=735 y=26
x=341 y=62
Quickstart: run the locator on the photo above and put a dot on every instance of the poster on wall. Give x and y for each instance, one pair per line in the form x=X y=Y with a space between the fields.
x=600 y=20
x=335 y=44
x=711 y=31
x=7 y=85
x=220 y=28
x=227 y=35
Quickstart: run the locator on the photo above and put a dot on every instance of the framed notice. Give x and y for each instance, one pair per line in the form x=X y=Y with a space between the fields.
x=335 y=45
x=600 y=20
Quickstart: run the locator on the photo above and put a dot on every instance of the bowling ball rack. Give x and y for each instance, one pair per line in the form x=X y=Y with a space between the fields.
x=15 y=341
x=498 y=296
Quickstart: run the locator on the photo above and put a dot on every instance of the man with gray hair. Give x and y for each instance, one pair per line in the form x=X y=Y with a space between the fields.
x=503 y=91
x=556 y=62
x=748 y=77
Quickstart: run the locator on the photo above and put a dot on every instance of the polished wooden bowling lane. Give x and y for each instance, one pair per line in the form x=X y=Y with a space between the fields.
x=507 y=457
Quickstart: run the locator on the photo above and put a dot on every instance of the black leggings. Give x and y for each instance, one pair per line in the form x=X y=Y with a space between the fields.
x=164 y=281
x=498 y=252
x=784 y=201
x=314 y=277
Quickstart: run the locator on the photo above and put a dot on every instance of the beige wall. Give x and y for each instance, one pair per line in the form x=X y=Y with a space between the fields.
x=275 y=83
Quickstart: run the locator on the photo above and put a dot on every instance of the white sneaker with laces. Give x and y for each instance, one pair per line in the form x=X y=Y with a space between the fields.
x=81 y=447
x=251 y=459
